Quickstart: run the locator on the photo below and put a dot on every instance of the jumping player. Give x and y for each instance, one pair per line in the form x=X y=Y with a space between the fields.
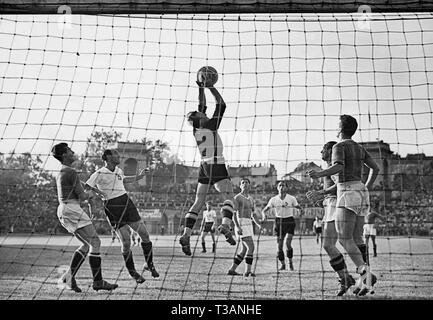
x=121 y=211
x=243 y=220
x=208 y=225
x=213 y=170
x=284 y=205
x=330 y=235
x=73 y=218
x=353 y=200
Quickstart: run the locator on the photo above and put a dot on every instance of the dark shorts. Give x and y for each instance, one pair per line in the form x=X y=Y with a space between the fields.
x=212 y=173
x=121 y=211
x=284 y=226
x=318 y=230
x=208 y=227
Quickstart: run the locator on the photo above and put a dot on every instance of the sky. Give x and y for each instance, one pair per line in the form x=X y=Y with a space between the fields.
x=285 y=80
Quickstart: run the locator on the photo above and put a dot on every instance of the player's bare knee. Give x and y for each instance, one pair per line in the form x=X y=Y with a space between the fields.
x=84 y=248
x=328 y=247
x=143 y=234
x=95 y=244
x=126 y=246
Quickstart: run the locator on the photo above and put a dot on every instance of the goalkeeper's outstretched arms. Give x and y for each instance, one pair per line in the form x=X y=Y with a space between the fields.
x=220 y=107
x=201 y=97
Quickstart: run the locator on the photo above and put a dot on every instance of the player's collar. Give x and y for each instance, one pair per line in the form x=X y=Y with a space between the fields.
x=247 y=197
x=279 y=197
x=115 y=169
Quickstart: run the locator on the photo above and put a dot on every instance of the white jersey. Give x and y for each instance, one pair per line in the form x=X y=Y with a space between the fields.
x=109 y=182
x=283 y=208
x=317 y=223
x=209 y=216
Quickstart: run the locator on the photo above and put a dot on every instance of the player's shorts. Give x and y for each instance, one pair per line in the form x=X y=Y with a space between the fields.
x=212 y=173
x=121 y=211
x=369 y=230
x=318 y=230
x=208 y=227
x=330 y=208
x=284 y=226
x=353 y=195
x=71 y=216
x=247 y=228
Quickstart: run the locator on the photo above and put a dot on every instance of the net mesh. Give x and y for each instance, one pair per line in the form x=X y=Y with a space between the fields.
x=285 y=78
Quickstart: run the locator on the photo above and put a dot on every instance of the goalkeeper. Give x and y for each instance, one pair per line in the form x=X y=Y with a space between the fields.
x=213 y=170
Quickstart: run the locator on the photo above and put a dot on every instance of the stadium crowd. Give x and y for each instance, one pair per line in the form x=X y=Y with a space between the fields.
x=31 y=209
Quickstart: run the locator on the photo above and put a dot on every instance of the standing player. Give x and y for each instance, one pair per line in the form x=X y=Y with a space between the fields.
x=243 y=223
x=284 y=205
x=121 y=211
x=208 y=225
x=330 y=235
x=70 y=192
x=353 y=200
x=370 y=230
x=317 y=227
x=213 y=170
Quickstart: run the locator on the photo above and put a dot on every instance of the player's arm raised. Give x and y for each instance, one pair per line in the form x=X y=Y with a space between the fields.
x=141 y=175
x=201 y=97
x=220 y=107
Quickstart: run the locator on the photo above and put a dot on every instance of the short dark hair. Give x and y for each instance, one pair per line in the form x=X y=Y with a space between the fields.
x=348 y=124
x=283 y=181
x=246 y=179
x=59 y=150
x=329 y=145
x=107 y=152
x=192 y=116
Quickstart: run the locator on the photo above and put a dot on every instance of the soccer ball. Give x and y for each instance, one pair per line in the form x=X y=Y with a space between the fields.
x=208 y=75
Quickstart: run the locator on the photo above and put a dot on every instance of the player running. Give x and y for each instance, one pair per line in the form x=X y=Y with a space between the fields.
x=73 y=218
x=353 y=200
x=213 y=170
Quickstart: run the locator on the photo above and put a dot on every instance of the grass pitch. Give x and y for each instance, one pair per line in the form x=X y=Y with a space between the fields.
x=29 y=269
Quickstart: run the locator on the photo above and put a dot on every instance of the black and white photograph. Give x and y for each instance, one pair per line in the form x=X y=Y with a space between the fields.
x=223 y=151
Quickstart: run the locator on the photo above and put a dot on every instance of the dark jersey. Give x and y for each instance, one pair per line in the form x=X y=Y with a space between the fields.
x=352 y=156
x=329 y=182
x=208 y=140
x=68 y=184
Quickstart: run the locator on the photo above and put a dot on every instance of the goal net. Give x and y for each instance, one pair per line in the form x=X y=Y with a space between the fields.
x=127 y=81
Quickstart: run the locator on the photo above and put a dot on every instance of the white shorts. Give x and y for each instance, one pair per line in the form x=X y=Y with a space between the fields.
x=72 y=217
x=353 y=195
x=247 y=228
x=330 y=208
x=369 y=230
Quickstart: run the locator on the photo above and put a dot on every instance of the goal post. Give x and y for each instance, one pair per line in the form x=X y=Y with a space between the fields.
x=209 y=6
x=127 y=70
